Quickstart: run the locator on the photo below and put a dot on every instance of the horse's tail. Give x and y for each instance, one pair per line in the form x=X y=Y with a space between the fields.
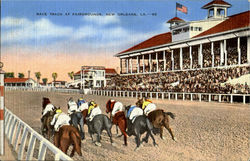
x=107 y=122
x=149 y=124
x=172 y=115
x=76 y=138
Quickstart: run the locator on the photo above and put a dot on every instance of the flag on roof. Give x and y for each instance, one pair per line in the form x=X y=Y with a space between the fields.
x=181 y=8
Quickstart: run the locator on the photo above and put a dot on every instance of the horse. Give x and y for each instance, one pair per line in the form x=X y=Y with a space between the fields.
x=141 y=125
x=66 y=136
x=159 y=119
x=97 y=125
x=119 y=120
x=46 y=127
x=77 y=121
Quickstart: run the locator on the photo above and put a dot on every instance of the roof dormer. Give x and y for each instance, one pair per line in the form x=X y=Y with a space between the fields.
x=217 y=9
x=175 y=22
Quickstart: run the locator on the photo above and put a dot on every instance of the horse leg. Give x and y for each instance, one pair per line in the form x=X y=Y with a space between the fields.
x=150 y=133
x=110 y=135
x=98 y=138
x=82 y=133
x=64 y=146
x=73 y=151
x=56 y=139
x=166 y=125
x=122 y=126
x=161 y=133
x=145 y=139
x=137 y=139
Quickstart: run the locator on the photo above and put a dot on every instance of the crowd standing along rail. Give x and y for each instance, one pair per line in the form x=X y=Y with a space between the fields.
x=42 y=89
x=18 y=131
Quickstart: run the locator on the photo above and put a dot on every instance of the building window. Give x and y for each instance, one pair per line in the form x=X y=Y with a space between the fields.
x=191 y=28
x=220 y=12
x=211 y=13
x=200 y=29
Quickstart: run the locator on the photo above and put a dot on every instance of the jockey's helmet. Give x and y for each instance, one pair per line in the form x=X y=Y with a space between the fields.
x=58 y=111
x=92 y=103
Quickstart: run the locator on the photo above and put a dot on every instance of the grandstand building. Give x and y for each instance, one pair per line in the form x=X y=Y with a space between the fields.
x=219 y=41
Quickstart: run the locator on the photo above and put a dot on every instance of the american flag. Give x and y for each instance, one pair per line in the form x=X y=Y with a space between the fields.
x=181 y=8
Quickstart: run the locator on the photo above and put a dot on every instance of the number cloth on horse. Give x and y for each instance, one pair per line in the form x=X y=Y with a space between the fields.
x=72 y=107
x=48 y=108
x=93 y=110
x=118 y=106
x=60 y=119
x=133 y=112
x=148 y=107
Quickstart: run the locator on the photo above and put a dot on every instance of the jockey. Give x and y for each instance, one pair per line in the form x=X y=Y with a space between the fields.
x=72 y=107
x=132 y=113
x=118 y=106
x=148 y=106
x=93 y=110
x=60 y=119
x=48 y=108
x=82 y=105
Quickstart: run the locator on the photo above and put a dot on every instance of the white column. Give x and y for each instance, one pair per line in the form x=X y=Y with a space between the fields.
x=172 y=59
x=225 y=51
x=212 y=52
x=150 y=63
x=181 y=57
x=248 y=50
x=157 y=63
x=138 y=65
x=2 y=129
x=131 y=66
x=239 y=51
x=164 y=60
x=127 y=64
x=221 y=52
x=200 y=56
x=191 y=57
x=143 y=64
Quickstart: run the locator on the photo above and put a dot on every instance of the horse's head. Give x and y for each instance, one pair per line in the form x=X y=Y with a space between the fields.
x=45 y=102
x=110 y=105
x=139 y=102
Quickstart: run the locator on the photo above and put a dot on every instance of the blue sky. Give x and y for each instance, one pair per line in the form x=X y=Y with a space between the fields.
x=24 y=33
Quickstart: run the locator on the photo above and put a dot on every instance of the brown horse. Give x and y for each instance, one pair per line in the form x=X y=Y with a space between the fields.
x=46 y=127
x=119 y=119
x=159 y=119
x=66 y=136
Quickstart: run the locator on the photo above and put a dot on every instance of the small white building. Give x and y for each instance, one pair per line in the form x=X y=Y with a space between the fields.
x=20 y=82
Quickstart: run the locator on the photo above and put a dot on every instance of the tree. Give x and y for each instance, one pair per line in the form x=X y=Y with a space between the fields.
x=54 y=76
x=38 y=76
x=45 y=80
x=20 y=75
x=9 y=75
x=71 y=75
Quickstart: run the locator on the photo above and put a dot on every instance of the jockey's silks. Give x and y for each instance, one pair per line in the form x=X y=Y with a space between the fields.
x=81 y=102
x=145 y=103
x=90 y=109
x=130 y=110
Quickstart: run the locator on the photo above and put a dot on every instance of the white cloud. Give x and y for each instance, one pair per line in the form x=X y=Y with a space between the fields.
x=23 y=29
x=102 y=20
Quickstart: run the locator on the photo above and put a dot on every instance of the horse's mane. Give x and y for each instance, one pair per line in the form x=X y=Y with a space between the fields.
x=45 y=102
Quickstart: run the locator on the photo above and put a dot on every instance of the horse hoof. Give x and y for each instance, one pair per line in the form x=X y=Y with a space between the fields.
x=156 y=145
x=98 y=144
x=137 y=148
x=175 y=139
x=141 y=145
x=163 y=138
x=113 y=144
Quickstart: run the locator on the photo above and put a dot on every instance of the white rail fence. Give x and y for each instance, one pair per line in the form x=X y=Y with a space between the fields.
x=42 y=89
x=18 y=132
x=208 y=97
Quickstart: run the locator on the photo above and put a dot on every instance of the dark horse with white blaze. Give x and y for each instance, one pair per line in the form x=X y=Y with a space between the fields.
x=119 y=119
x=66 y=136
x=141 y=125
x=97 y=125
x=159 y=119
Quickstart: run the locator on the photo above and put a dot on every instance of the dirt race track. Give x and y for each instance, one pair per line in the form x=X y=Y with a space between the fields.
x=204 y=131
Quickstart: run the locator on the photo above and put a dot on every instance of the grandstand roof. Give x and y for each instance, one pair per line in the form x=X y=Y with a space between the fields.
x=216 y=2
x=110 y=71
x=15 y=80
x=240 y=20
x=160 y=39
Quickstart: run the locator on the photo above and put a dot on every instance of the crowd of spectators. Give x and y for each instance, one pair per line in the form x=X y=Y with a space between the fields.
x=211 y=80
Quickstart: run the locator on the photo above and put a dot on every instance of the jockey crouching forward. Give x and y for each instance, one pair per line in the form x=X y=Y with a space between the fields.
x=132 y=113
x=82 y=105
x=93 y=110
x=118 y=106
x=148 y=106
x=72 y=107
x=47 y=109
x=60 y=119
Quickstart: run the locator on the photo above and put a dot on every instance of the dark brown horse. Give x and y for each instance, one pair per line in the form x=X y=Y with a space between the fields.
x=66 y=136
x=159 y=119
x=119 y=119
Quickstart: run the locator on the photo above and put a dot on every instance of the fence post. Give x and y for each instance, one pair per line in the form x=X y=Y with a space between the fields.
x=209 y=98
x=183 y=96
x=2 y=128
x=231 y=99
x=176 y=96
x=162 y=95
x=156 y=95
x=244 y=99
x=191 y=96
x=168 y=96
x=200 y=97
